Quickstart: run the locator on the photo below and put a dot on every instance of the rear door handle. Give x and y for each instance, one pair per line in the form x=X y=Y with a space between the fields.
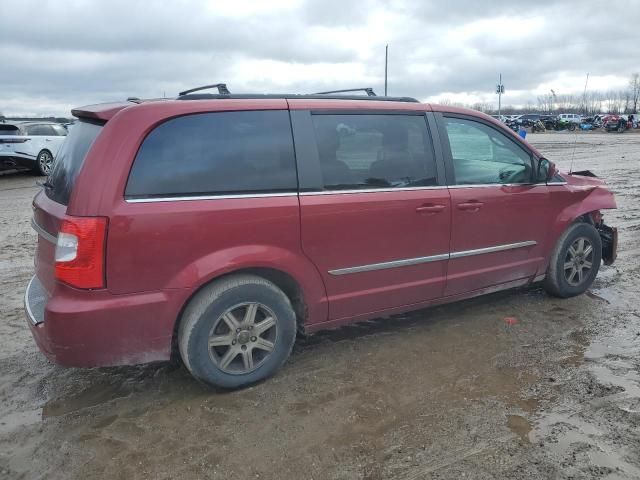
x=430 y=208
x=471 y=206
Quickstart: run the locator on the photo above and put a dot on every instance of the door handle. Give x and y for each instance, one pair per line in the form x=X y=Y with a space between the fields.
x=430 y=208
x=471 y=206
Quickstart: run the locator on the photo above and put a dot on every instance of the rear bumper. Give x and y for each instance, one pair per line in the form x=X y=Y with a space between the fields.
x=17 y=159
x=96 y=328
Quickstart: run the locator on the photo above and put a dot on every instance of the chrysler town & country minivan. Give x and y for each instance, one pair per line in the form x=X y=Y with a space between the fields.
x=216 y=226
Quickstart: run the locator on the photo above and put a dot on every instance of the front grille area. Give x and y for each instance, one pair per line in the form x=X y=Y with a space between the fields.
x=35 y=299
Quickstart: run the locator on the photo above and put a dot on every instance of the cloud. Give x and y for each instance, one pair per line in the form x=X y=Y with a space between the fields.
x=59 y=55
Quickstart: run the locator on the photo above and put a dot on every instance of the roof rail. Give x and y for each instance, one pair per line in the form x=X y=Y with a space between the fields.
x=292 y=96
x=369 y=91
x=134 y=99
x=222 y=89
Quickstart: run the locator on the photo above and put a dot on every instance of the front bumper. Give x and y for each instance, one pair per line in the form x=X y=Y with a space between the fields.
x=609 y=236
x=78 y=328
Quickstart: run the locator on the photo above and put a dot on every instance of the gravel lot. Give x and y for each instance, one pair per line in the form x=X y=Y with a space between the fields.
x=448 y=393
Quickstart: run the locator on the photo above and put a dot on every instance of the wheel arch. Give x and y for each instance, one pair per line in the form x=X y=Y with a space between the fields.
x=595 y=199
x=284 y=280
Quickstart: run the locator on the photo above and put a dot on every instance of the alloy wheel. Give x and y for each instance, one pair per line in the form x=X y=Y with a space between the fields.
x=242 y=338
x=578 y=261
x=45 y=160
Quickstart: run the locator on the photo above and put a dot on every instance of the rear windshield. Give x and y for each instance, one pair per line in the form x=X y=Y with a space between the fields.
x=9 y=130
x=70 y=158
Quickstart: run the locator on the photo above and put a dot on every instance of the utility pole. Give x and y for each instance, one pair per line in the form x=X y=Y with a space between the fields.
x=500 y=91
x=386 y=59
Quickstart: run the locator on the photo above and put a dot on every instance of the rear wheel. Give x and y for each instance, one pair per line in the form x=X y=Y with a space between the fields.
x=44 y=163
x=237 y=331
x=575 y=261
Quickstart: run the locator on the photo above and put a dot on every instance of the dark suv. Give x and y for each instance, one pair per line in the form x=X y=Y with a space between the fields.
x=219 y=226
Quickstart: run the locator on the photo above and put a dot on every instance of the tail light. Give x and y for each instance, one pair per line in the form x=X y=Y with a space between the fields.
x=80 y=251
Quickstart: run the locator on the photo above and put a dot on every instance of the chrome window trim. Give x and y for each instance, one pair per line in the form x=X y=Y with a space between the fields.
x=486 y=185
x=42 y=232
x=432 y=258
x=319 y=192
x=371 y=190
x=208 y=197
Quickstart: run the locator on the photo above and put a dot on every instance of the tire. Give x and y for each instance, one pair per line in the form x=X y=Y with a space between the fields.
x=221 y=356
x=44 y=163
x=568 y=275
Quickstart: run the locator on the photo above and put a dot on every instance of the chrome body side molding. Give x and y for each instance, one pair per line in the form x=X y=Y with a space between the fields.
x=433 y=258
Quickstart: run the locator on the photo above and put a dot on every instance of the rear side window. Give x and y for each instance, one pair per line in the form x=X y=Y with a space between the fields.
x=41 y=131
x=70 y=158
x=59 y=130
x=216 y=154
x=374 y=151
x=9 y=130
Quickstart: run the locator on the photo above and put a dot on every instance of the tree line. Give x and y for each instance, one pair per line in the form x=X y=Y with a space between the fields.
x=625 y=100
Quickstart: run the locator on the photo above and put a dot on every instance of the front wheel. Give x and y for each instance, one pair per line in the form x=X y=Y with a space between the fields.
x=44 y=163
x=574 y=262
x=237 y=331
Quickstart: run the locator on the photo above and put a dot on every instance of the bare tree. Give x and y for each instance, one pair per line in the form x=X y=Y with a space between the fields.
x=634 y=85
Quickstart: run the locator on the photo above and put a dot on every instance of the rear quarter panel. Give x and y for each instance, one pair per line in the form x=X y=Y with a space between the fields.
x=185 y=244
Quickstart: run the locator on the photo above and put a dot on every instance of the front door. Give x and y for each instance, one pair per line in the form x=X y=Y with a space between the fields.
x=499 y=215
x=377 y=223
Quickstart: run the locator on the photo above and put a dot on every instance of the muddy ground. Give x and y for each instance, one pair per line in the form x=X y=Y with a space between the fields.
x=448 y=393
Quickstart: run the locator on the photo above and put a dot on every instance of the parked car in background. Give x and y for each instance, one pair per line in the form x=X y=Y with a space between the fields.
x=216 y=227
x=31 y=145
x=528 y=119
x=616 y=123
x=570 y=118
x=501 y=118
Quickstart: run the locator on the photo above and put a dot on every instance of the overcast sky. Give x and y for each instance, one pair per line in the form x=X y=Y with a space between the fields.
x=59 y=54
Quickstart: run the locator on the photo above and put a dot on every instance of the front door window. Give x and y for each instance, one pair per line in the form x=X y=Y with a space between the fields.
x=483 y=155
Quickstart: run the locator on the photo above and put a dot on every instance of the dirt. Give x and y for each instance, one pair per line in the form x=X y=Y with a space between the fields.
x=512 y=385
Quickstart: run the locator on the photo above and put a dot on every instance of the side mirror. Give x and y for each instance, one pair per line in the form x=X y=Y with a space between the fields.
x=546 y=170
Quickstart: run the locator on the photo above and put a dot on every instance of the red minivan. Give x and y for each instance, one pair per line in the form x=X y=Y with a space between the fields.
x=218 y=226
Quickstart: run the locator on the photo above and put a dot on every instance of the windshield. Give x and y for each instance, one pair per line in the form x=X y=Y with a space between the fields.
x=70 y=159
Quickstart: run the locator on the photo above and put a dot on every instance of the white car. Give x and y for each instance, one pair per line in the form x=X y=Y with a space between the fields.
x=31 y=145
x=570 y=117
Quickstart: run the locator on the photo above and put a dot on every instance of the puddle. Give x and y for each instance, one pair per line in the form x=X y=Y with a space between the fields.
x=578 y=430
x=595 y=296
x=520 y=426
